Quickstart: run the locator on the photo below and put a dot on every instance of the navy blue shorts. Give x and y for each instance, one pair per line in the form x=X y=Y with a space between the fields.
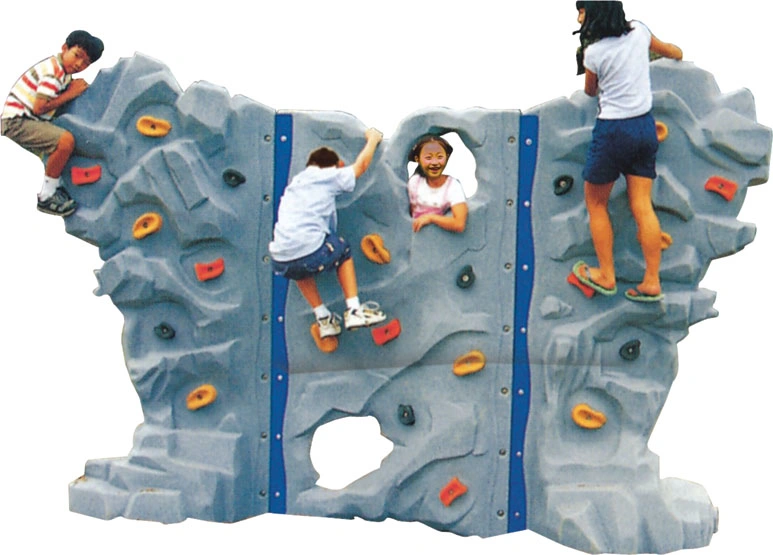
x=621 y=146
x=333 y=252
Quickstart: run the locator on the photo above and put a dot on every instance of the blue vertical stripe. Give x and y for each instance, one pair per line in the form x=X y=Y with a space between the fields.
x=283 y=151
x=524 y=283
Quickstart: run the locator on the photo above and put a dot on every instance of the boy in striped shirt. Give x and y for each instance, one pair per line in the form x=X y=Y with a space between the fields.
x=31 y=105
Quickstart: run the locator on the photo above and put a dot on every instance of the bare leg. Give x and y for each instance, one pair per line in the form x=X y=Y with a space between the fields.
x=348 y=279
x=649 y=234
x=60 y=156
x=597 y=201
x=308 y=288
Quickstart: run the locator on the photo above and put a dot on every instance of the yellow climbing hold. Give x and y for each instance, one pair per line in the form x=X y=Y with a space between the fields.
x=201 y=397
x=373 y=248
x=153 y=127
x=585 y=417
x=661 y=130
x=324 y=344
x=665 y=240
x=147 y=224
x=469 y=363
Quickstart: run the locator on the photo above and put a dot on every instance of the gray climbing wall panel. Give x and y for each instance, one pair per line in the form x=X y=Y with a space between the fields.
x=233 y=387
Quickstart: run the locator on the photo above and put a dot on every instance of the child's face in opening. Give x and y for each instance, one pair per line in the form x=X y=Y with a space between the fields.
x=581 y=16
x=74 y=59
x=432 y=159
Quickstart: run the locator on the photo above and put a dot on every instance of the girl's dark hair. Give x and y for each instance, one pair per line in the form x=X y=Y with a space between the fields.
x=602 y=20
x=323 y=157
x=91 y=44
x=423 y=140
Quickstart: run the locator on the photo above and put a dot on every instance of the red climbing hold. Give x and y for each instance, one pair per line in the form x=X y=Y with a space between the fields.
x=587 y=291
x=387 y=333
x=210 y=270
x=452 y=491
x=85 y=176
x=723 y=187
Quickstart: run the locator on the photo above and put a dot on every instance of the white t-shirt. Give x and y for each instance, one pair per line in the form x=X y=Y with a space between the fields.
x=436 y=200
x=622 y=65
x=307 y=211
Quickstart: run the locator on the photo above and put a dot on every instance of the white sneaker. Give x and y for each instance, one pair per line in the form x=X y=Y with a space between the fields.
x=329 y=326
x=367 y=314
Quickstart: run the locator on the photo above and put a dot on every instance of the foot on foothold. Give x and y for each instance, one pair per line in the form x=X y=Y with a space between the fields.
x=638 y=297
x=367 y=314
x=582 y=273
x=329 y=326
x=58 y=204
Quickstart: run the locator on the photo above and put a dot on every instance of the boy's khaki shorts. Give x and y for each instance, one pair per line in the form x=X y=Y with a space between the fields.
x=39 y=137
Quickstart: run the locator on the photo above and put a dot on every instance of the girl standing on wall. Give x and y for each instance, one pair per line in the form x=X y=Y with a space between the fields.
x=624 y=140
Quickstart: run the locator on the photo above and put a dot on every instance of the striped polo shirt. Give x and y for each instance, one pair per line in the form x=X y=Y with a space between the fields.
x=46 y=78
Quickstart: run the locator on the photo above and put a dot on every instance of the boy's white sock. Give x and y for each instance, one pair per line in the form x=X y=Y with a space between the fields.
x=353 y=303
x=321 y=312
x=50 y=184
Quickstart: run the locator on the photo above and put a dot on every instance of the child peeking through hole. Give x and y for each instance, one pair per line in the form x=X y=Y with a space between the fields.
x=432 y=193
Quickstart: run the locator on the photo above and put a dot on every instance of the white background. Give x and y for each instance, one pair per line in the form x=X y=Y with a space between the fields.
x=66 y=395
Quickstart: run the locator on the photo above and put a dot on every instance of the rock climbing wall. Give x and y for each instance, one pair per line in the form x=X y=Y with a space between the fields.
x=513 y=399
x=602 y=368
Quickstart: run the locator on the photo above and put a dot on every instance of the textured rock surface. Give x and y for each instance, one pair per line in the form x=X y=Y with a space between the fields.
x=248 y=452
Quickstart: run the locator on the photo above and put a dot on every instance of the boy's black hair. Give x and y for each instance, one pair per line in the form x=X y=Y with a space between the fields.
x=323 y=157
x=91 y=44
x=423 y=140
x=602 y=20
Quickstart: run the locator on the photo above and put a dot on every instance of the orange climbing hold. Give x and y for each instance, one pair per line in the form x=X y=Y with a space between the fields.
x=661 y=130
x=324 y=344
x=585 y=417
x=147 y=224
x=153 y=127
x=452 y=491
x=472 y=362
x=206 y=271
x=373 y=248
x=723 y=187
x=387 y=333
x=587 y=291
x=85 y=176
x=201 y=397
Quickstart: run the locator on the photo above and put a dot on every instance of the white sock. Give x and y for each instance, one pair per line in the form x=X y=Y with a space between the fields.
x=50 y=184
x=353 y=303
x=321 y=312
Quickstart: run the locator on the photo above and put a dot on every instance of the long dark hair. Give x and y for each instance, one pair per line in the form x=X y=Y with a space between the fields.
x=425 y=139
x=602 y=20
